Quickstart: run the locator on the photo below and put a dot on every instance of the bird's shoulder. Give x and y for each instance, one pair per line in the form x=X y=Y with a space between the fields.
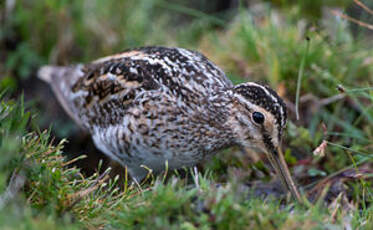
x=150 y=68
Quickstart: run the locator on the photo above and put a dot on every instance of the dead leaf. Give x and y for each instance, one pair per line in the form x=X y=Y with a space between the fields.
x=320 y=150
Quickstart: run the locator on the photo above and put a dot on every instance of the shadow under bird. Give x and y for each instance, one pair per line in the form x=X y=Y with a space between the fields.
x=152 y=105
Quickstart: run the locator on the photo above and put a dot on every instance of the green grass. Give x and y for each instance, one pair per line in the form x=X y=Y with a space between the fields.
x=263 y=45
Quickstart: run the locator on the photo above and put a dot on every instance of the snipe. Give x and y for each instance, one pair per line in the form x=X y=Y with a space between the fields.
x=150 y=105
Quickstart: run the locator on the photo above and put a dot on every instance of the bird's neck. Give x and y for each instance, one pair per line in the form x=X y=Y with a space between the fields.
x=218 y=112
x=231 y=118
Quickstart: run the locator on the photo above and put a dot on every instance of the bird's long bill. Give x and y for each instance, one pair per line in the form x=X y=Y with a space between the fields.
x=278 y=162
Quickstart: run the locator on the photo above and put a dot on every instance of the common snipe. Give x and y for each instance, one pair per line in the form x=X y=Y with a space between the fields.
x=150 y=105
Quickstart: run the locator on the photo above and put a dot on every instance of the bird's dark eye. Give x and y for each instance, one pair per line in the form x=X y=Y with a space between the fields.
x=258 y=117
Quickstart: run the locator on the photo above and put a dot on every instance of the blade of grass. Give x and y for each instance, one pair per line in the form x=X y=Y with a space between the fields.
x=192 y=12
x=359 y=89
x=368 y=155
x=299 y=81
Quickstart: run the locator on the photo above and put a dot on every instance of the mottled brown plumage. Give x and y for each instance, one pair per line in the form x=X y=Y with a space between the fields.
x=152 y=105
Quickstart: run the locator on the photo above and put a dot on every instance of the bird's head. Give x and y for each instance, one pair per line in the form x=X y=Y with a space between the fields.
x=259 y=117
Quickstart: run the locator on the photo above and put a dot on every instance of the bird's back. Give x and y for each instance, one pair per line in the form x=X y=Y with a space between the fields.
x=101 y=92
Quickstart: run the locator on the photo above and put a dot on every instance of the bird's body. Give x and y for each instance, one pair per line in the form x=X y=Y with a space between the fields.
x=152 y=105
